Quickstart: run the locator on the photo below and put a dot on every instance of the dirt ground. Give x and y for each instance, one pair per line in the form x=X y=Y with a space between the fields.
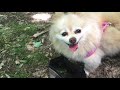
x=19 y=62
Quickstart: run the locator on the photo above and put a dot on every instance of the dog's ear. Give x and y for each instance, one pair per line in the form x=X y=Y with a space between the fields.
x=57 y=15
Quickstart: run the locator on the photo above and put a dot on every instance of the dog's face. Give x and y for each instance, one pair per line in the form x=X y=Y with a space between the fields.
x=72 y=30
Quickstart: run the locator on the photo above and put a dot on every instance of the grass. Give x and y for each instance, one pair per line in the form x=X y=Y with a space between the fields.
x=15 y=33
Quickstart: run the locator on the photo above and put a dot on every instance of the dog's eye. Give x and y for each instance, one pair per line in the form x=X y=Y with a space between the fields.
x=64 y=34
x=77 y=31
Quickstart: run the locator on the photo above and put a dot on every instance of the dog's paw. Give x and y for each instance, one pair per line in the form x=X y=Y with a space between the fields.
x=87 y=72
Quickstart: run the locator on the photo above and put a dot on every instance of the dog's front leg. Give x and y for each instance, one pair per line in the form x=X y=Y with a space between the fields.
x=92 y=62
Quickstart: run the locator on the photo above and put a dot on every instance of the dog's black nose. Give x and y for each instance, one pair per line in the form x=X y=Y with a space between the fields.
x=72 y=40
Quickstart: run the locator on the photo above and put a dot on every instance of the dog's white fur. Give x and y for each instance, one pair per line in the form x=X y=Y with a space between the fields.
x=90 y=37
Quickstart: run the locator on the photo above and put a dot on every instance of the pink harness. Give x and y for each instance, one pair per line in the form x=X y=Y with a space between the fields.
x=104 y=26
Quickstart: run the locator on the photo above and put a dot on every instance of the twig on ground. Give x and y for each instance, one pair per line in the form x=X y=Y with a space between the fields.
x=39 y=33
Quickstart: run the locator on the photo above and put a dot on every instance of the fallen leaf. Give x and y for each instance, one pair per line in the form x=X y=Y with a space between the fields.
x=49 y=58
x=7 y=75
x=1 y=76
x=17 y=62
x=30 y=48
x=27 y=28
x=37 y=44
x=43 y=40
x=47 y=55
x=30 y=43
x=22 y=61
x=50 y=48
x=51 y=54
x=20 y=65
x=29 y=56
x=2 y=64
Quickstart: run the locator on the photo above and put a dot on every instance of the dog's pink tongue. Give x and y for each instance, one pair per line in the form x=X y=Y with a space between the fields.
x=73 y=48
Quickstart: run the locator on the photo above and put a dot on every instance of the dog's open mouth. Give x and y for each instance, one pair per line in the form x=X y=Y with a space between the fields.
x=73 y=47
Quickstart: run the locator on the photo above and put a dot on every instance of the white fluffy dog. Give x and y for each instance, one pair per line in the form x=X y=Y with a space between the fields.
x=86 y=36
